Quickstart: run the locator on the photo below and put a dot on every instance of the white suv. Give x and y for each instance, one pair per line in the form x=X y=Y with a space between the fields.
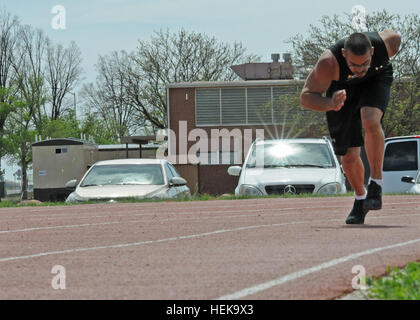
x=401 y=169
x=290 y=166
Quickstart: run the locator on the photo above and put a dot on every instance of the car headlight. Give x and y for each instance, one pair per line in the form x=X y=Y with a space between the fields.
x=248 y=190
x=330 y=188
x=74 y=197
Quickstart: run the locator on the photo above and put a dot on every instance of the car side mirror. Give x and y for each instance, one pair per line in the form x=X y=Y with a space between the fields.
x=178 y=181
x=408 y=179
x=234 y=171
x=71 y=184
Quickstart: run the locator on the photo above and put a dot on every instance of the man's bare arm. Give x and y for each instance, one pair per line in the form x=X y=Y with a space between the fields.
x=325 y=71
x=392 y=41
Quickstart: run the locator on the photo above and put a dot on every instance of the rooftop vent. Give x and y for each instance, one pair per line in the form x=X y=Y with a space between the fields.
x=275 y=57
x=266 y=70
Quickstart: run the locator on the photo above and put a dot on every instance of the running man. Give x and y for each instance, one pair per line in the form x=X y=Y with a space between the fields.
x=356 y=76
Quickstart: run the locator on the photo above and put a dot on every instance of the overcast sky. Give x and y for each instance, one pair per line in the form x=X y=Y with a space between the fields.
x=102 y=26
x=262 y=26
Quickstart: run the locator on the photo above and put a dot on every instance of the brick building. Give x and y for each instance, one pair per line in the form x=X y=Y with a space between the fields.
x=226 y=117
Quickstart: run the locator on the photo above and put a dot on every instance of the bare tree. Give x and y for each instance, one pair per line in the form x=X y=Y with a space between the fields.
x=179 y=57
x=28 y=67
x=63 y=73
x=108 y=96
x=130 y=91
x=8 y=28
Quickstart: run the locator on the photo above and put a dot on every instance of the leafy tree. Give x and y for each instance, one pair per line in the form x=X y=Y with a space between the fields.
x=307 y=49
x=401 y=117
x=8 y=30
x=30 y=66
x=93 y=126
x=30 y=84
x=20 y=133
x=29 y=81
x=297 y=122
x=8 y=104
x=63 y=127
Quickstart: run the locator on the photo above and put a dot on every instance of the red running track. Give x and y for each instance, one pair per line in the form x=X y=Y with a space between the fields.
x=294 y=248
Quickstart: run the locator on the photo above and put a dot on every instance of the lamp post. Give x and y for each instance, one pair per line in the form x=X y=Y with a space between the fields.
x=74 y=103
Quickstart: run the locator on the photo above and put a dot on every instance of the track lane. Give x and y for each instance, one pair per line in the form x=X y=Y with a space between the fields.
x=203 y=263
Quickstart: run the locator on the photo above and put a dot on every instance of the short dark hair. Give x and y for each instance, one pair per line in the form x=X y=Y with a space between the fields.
x=358 y=43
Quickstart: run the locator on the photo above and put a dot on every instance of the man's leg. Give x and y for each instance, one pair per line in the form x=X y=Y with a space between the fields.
x=354 y=169
x=355 y=172
x=374 y=139
x=374 y=146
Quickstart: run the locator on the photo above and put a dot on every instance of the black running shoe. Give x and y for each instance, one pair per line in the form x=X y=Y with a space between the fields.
x=374 y=197
x=357 y=214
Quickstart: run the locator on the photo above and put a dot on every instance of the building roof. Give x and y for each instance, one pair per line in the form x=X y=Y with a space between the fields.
x=63 y=142
x=138 y=139
x=109 y=147
x=117 y=146
x=249 y=83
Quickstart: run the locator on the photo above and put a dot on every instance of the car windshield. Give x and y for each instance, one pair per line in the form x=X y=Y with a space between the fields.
x=282 y=154
x=143 y=174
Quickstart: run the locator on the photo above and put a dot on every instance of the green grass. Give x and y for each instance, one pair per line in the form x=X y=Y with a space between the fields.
x=13 y=204
x=195 y=197
x=399 y=284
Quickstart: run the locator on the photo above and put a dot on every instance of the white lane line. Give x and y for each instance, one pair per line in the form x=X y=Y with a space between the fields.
x=109 y=214
x=173 y=204
x=176 y=238
x=86 y=209
x=189 y=219
x=124 y=245
x=121 y=222
x=63 y=227
x=220 y=214
x=298 y=274
x=139 y=207
x=143 y=214
x=147 y=211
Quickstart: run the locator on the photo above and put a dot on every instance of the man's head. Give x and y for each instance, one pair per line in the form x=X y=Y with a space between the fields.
x=358 y=52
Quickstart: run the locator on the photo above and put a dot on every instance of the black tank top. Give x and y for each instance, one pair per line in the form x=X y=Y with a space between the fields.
x=380 y=64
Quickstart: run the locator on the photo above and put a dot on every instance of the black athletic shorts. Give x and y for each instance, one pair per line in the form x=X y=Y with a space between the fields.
x=345 y=126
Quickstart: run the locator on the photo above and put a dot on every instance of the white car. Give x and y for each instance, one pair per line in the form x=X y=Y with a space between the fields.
x=401 y=168
x=291 y=166
x=129 y=178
